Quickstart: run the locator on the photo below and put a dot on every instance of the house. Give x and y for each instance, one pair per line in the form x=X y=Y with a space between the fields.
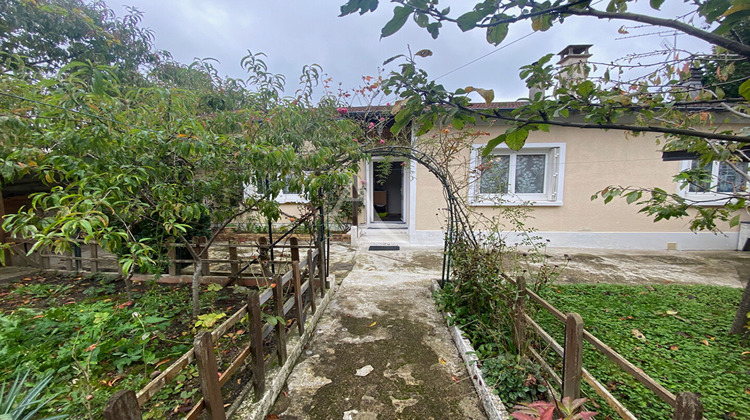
x=554 y=175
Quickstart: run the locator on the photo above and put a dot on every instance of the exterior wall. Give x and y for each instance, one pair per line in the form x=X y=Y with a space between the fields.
x=594 y=159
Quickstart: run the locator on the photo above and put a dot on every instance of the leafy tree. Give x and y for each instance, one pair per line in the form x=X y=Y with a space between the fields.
x=690 y=119
x=125 y=160
x=43 y=36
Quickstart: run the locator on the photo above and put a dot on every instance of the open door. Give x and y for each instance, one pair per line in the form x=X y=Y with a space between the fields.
x=387 y=198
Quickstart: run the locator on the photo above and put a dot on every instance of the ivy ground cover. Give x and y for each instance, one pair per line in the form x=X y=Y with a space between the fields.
x=677 y=334
x=95 y=340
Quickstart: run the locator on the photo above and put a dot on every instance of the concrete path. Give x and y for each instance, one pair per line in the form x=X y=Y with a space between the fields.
x=381 y=350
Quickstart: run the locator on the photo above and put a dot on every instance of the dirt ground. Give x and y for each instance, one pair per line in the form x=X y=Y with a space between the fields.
x=720 y=268
x=381 y=349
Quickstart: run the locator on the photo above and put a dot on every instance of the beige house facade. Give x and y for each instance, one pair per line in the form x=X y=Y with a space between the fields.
x=553 y=176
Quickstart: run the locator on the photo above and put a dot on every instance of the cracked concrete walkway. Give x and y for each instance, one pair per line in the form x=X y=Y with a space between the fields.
x=381 y=350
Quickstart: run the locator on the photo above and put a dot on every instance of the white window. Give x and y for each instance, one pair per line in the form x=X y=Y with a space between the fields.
x=530 y=176
x=721 y=183
x=284 y=197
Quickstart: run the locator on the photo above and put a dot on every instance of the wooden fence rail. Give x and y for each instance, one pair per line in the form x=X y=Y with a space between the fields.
x=225 y=261
x=128 y=405
x=687 y=405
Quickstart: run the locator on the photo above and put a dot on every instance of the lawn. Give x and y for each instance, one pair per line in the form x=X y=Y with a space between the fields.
x=95 y=340
x=676 y=334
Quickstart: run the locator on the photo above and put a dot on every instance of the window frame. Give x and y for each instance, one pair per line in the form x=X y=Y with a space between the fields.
x=553 y=176
x=281 y=198
x=706 y=198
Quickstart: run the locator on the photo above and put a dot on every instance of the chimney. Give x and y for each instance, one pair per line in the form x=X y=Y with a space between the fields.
x=573 y=59
x=536 y=88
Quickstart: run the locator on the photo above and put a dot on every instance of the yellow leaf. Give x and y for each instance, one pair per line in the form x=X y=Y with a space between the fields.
x=745 y=352
x=487 y=94
x=639 y=335
x=373 y=324
x=704 y=342
x=442 y=361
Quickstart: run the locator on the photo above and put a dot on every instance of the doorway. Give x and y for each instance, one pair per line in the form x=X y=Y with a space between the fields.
x=387 y=202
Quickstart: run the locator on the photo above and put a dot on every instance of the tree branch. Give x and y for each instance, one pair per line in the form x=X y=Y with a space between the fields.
x=709 y=37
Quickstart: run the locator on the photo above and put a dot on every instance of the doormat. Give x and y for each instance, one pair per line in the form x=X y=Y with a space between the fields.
x=384 y=248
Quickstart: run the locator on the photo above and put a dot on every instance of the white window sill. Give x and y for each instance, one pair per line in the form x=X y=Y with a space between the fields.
x=516 y=203
x=291 y=199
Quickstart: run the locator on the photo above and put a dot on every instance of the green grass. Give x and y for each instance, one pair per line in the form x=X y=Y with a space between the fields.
x=684 y=343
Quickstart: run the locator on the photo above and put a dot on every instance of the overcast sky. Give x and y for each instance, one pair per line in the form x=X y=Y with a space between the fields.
x=297 y=32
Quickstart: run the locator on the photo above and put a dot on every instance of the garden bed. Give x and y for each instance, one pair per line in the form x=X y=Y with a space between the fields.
x=95 y=340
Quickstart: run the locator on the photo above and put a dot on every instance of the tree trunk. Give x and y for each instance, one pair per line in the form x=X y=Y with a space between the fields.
x=197 y=276
x=740 y=318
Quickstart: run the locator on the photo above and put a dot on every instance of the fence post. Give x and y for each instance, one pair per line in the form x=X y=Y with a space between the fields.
x=311 y=279
x=78 y=256
x=256 y=344
x=298 y=297
x=68 y=257
x=520 y=312
x=234 y=265
x=172 y=255
x=209 y=376
x=322 y=269
x=201 y=247
x=122 y=405
x=278 y=297
x=263 y=257
x=294 y=243
x=94 y=250
x=573 y=356
x=689 y=407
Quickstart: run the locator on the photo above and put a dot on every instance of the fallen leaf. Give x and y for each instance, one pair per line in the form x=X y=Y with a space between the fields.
x=373 y=324
x=639 y=335
x=113 y=381
x=745 y=352
x=91 y=347
x=442 y=361
x=272 y=417
x=674 y=348
x=38 y=316
x=704 y=342
x=670 y=312
x=163 y=361
x=454 y=379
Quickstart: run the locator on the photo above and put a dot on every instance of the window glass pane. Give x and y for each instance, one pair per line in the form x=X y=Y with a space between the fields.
x=729 y=179
x=494 y=175
x=703 y=186
x=530 y=174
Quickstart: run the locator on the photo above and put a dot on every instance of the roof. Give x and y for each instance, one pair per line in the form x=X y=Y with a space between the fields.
x=477 y=105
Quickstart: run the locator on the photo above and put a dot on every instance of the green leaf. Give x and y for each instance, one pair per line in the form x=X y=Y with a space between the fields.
x=745 y=89
x=492 y=144
x=633 y=197
x=656 y=4
x=400 y=14
x=585 y=88
x=496 y=34
x=392 y=58
x=458 y=123
x=517 y=138
x=468 y=20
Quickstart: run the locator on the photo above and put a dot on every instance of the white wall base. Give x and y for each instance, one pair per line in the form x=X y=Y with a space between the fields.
x=683 y=241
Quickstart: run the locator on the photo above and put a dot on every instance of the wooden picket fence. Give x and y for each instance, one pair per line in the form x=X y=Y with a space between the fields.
x=244 y=263
x=128 y=404
x=686 y=405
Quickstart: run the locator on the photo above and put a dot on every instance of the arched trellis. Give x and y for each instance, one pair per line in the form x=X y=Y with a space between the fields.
x=457 y=212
